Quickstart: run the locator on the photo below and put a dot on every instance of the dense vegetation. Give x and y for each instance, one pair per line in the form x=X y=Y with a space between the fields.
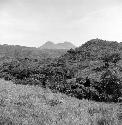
x=11 y=51
x=92 y=71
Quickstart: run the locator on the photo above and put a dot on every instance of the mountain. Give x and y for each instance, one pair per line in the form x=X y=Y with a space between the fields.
x=51 y=45
x=86 y=59
x=92 y=49
x=17 y=51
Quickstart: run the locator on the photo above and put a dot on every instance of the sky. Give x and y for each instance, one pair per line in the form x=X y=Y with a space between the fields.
x=34 y=22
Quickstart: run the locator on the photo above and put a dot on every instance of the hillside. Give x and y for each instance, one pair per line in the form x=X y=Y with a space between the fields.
x=92 y=71
x=88 y=56
x=92 y=49
x=32 y=105
x=16 y=51
x=51 y=46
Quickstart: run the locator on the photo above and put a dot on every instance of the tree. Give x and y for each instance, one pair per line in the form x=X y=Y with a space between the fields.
x=110 y=57
x=115 y=57
x=87 y=83
x=110 y=86
x=106 y=60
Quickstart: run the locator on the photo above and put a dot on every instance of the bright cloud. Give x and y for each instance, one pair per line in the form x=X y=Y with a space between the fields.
x=33 y=22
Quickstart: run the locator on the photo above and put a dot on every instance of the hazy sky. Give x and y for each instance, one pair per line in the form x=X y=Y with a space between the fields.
x=33 y=22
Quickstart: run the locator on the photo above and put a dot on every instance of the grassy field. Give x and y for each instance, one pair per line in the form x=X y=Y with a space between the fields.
x=32 y=105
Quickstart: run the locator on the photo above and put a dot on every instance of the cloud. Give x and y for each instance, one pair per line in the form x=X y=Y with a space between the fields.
x=59 y=20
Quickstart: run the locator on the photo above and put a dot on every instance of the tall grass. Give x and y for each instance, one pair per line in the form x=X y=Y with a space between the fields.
x=32 y=105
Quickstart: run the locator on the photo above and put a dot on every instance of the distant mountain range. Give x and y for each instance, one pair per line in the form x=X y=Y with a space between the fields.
x=51 y=45
x=15 y=51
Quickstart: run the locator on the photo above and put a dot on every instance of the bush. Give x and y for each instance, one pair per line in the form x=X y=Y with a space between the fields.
x=6 y=121
x=110 y=86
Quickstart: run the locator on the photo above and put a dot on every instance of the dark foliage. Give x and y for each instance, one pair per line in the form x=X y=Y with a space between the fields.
x=87 y=83
x=110 y=85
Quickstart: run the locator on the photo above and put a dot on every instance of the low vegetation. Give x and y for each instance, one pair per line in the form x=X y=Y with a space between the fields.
x=33 y=105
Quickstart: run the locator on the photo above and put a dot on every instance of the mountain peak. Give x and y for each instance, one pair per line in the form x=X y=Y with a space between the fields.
x=49 y=42
x=51 y=45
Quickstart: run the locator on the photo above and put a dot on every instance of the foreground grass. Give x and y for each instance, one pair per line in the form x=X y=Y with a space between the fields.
x=32 y=105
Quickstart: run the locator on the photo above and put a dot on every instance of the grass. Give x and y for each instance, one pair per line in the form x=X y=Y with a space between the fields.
x=32 y=105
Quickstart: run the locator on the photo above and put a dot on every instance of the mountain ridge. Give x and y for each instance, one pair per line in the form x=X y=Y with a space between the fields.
x=51 y=45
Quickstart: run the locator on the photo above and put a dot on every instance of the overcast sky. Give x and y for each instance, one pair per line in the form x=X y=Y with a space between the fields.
x=33 y=22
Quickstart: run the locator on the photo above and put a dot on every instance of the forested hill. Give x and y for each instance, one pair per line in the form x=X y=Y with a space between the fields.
x=17 y=51
x=92 y=56
x=92 y=71
x=92 y=50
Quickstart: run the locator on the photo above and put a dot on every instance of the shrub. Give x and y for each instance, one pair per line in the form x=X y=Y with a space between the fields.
x=6 y=121
x=110 y=86
x=102 y=121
